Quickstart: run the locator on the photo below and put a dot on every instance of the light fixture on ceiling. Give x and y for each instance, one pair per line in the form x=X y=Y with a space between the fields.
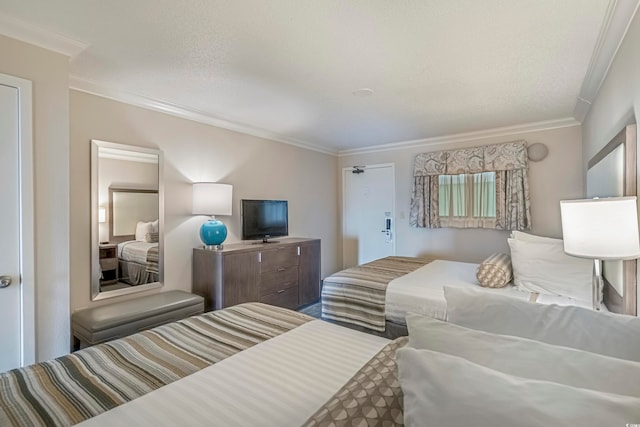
x=362 y=92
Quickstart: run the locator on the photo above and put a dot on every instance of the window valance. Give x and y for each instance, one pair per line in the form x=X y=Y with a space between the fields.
x=507 y=161
x=489 y=158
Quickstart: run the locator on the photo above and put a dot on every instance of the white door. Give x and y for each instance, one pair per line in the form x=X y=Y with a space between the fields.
x=16 y=238
x=368 y=213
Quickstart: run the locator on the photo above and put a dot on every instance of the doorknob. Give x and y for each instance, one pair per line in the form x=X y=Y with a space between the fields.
x=5 y=281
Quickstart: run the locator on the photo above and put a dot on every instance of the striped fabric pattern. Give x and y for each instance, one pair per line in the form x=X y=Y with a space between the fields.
x=83 y=384
x=495 y=271
x=153 y=257
x=357 y=295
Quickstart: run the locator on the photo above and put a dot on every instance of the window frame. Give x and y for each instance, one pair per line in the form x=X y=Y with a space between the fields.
x=468 y=220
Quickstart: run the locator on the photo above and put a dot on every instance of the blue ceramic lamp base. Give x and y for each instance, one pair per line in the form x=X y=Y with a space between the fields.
x=213 y=233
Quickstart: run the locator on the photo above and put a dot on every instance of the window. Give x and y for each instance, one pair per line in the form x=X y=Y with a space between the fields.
x=467 y=200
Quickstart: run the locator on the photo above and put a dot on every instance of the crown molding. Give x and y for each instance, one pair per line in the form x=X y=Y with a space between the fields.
x=29 y=33
x=149 y=103
x=614 y=28
x=468 y=136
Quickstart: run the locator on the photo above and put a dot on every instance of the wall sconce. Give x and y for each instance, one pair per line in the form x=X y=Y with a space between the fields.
x=210 y=198
x=102 y=215
x=537 y=152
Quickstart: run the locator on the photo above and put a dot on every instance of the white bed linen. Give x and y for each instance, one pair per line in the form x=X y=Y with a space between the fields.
x=135 y=251
x=280 y=382
x=421 y=291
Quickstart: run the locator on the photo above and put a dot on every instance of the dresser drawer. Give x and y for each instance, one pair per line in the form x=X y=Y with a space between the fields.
x=287 y=298
x=279 y=257
x=283 y=277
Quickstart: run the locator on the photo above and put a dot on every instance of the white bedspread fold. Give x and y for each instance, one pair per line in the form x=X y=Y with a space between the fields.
x=421 y=291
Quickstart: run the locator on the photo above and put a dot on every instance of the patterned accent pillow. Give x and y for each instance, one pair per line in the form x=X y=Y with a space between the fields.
x=495 y=271
x=152 y=237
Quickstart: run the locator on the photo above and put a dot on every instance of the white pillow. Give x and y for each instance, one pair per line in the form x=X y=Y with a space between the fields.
x=526 y=358
x=519 y=235
x=444 y=390
x=142 y=228
x=543 y=267
x=155 y=226
x=599 y=332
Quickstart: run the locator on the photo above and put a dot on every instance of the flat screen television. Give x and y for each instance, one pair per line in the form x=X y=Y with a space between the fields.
x=263 y=219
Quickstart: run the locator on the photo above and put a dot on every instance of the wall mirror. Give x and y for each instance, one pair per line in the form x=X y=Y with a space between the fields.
x=612 y=172
x=126 y=219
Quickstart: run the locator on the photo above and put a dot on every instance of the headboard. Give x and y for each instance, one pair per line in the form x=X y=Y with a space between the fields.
x=612 y=172
x=127 y=206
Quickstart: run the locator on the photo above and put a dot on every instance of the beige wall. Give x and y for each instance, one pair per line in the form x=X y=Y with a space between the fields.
x=49 y=73
x=257 y=168
x=558 y=177
x=618 y=101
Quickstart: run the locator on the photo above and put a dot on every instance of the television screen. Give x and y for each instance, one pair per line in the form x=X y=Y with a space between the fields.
x=262 y=219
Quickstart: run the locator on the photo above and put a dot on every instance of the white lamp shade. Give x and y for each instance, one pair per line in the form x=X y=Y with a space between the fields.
x=601 y=228
x=211 y=198
x=102 y=215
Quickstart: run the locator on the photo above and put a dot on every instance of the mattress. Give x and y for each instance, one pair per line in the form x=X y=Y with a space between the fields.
x=280 y=382
x=421 y=291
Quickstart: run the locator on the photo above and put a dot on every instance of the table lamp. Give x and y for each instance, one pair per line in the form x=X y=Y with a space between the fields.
x=212 y=198
x=600 y=229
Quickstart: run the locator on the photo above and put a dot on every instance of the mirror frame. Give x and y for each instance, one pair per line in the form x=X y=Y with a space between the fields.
x=627 y=138
x=95 y=227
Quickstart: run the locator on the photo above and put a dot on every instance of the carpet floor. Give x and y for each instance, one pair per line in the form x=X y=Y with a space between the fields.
x=313 y=310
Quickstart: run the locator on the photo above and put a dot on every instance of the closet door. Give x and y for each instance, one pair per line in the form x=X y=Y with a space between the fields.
x=16 y=225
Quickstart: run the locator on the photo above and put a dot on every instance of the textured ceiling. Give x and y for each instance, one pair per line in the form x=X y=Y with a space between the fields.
x=289 y=67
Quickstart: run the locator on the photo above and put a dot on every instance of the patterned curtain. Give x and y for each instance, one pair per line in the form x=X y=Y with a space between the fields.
x=513 y=204
x=424 y=202
x=509 y=162
x=424 y=198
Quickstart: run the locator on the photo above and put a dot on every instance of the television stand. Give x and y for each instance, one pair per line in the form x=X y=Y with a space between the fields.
x=286 y=274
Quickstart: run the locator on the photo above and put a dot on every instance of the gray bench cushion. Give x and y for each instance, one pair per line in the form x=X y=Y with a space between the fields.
x=98 y=324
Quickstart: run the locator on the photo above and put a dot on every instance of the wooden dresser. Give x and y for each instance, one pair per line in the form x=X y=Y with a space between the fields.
x=286 y=273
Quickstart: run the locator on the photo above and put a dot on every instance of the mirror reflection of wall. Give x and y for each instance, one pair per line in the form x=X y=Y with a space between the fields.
x=126 y=190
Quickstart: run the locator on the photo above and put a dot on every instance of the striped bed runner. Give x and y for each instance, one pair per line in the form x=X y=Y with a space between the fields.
x=357 y=295
x=83 y=384
x=153 y=257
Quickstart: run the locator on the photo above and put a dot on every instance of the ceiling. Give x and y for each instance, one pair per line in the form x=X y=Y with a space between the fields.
x=288 y=69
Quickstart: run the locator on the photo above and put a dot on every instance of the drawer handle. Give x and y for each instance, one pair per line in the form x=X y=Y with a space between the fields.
x=280 y=291
x=281 y=269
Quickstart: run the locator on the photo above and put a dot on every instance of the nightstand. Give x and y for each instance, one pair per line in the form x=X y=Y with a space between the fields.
x=108 y=263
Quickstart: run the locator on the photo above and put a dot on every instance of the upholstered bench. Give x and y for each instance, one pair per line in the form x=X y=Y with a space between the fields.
x=107 y=322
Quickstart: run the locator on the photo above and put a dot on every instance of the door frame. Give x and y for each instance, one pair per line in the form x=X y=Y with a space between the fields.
x=393 y=198
x=26 y=232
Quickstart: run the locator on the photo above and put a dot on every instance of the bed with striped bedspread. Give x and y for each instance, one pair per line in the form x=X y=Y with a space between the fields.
x=81 y=385
x=357 y=295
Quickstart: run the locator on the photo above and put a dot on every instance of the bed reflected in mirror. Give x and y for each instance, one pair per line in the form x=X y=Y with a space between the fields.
x=127 y=220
